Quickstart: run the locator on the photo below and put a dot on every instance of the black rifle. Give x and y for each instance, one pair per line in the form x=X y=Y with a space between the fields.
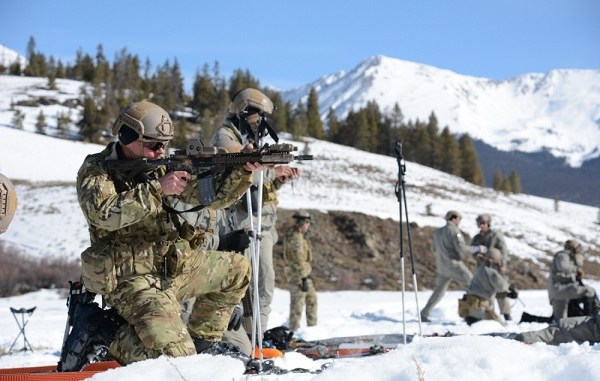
x=206 y=163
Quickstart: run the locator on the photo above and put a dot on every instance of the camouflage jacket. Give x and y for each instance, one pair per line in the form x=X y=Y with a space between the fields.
x=487 y=282
x=128 y=214
x=297 y=255
x=228 y=136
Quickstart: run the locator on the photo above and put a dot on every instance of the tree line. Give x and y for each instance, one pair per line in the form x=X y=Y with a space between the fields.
x=111 y=86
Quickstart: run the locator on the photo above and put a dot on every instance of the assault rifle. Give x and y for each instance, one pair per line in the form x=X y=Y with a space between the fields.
x=206 y=162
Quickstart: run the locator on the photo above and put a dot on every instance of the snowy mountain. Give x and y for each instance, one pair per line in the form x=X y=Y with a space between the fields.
x=558 y=112
x=9 y=56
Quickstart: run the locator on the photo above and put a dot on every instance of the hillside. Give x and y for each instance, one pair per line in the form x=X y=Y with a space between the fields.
x=342 y=183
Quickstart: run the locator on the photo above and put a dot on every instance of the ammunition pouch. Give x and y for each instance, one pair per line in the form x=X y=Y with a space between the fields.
x=98 y=271
x=472 y=305
x=176 y=259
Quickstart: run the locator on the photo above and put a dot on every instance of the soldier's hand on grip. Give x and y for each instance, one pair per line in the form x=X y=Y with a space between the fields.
x=235 y=321
x=237 y=240
x=304 y=285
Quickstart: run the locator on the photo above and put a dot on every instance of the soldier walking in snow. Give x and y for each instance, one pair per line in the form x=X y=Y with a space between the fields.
x=297 y=254
x=450 y=250
x=493 y=238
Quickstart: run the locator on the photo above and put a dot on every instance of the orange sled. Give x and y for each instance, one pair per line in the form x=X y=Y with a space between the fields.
x=49 y=373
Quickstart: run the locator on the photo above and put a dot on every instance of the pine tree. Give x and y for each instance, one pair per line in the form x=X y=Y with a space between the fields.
x=40 y=124
x=333 y=125
x=497 y=180
x=434 y=141
x=314 y=125
x=63 y=120
x=297 y=121
x=515 y=182
x=18 y=119
x=449 y=154
x=181 y=134
x=505 y=187
x=278 y=119
x=471 y=168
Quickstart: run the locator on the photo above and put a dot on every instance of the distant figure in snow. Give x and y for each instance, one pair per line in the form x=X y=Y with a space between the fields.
x=493 y=238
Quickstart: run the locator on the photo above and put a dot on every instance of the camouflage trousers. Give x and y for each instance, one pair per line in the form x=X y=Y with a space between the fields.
x=152 y=308
x=298 y=299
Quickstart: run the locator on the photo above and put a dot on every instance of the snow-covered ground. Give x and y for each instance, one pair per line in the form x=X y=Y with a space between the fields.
x=466 y=358
x=49 y=223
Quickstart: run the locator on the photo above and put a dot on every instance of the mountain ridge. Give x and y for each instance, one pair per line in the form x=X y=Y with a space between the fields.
x=530 y=112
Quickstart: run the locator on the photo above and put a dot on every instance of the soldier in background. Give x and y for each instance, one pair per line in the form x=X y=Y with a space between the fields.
x=493 y=238
x=573 y=329
x=141 y=259
x=247 y=121
x=488 y=280
x=564 y=281
x=297 y=256
x=450 y=251
x=8 y=202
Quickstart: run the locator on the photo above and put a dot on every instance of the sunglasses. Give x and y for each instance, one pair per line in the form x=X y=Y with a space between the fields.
x=154 y=146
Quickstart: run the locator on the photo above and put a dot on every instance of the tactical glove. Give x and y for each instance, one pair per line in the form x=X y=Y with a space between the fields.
x=237 y=240
x=304 y=285
x=512 y=293
x=235 y=321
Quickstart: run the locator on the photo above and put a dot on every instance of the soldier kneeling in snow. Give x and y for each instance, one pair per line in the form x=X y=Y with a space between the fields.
x=488 y=280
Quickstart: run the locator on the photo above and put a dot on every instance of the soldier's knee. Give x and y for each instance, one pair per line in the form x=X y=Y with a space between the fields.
x=239 y=272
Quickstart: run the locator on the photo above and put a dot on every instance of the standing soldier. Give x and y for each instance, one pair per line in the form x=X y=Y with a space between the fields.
x=8 y=202
x=141 y=259
x=564 y=281
x=450 y=250
x=492 y=238
x=298 y=257
x=247 y=121
x=488 y=280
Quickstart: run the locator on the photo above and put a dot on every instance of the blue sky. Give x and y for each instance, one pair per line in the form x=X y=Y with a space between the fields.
x=290 y=43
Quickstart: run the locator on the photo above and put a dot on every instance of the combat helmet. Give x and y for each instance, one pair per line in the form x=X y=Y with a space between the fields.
x=302 y=215
x=493 y=257
x=484 y=218
x=8 y=202
x=573 y=246
x=250 y=100
x=144 y=121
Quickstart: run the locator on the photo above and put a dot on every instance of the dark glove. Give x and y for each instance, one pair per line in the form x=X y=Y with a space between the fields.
x=304 y=285
x=235 y=321
x=237 y=240
x=512 y=293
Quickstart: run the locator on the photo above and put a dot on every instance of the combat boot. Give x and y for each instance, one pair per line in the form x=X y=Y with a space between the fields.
x=215 y=348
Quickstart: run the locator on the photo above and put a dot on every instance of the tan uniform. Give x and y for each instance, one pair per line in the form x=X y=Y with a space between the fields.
x=298 y=258
x=145 y=262
x=478 y=301
x=450 y=250
x=489 y=239
x=225 y=137
x=573 y=329
x=563 y=284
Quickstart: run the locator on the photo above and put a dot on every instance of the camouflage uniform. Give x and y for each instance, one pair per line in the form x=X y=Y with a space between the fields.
x=450 y=250
x=144 y=263
x=210 y=222
x=563 y=283
x=477 y=304
x=224 y=137
x=577 y=329
x=495 y=239
x=297 y=255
